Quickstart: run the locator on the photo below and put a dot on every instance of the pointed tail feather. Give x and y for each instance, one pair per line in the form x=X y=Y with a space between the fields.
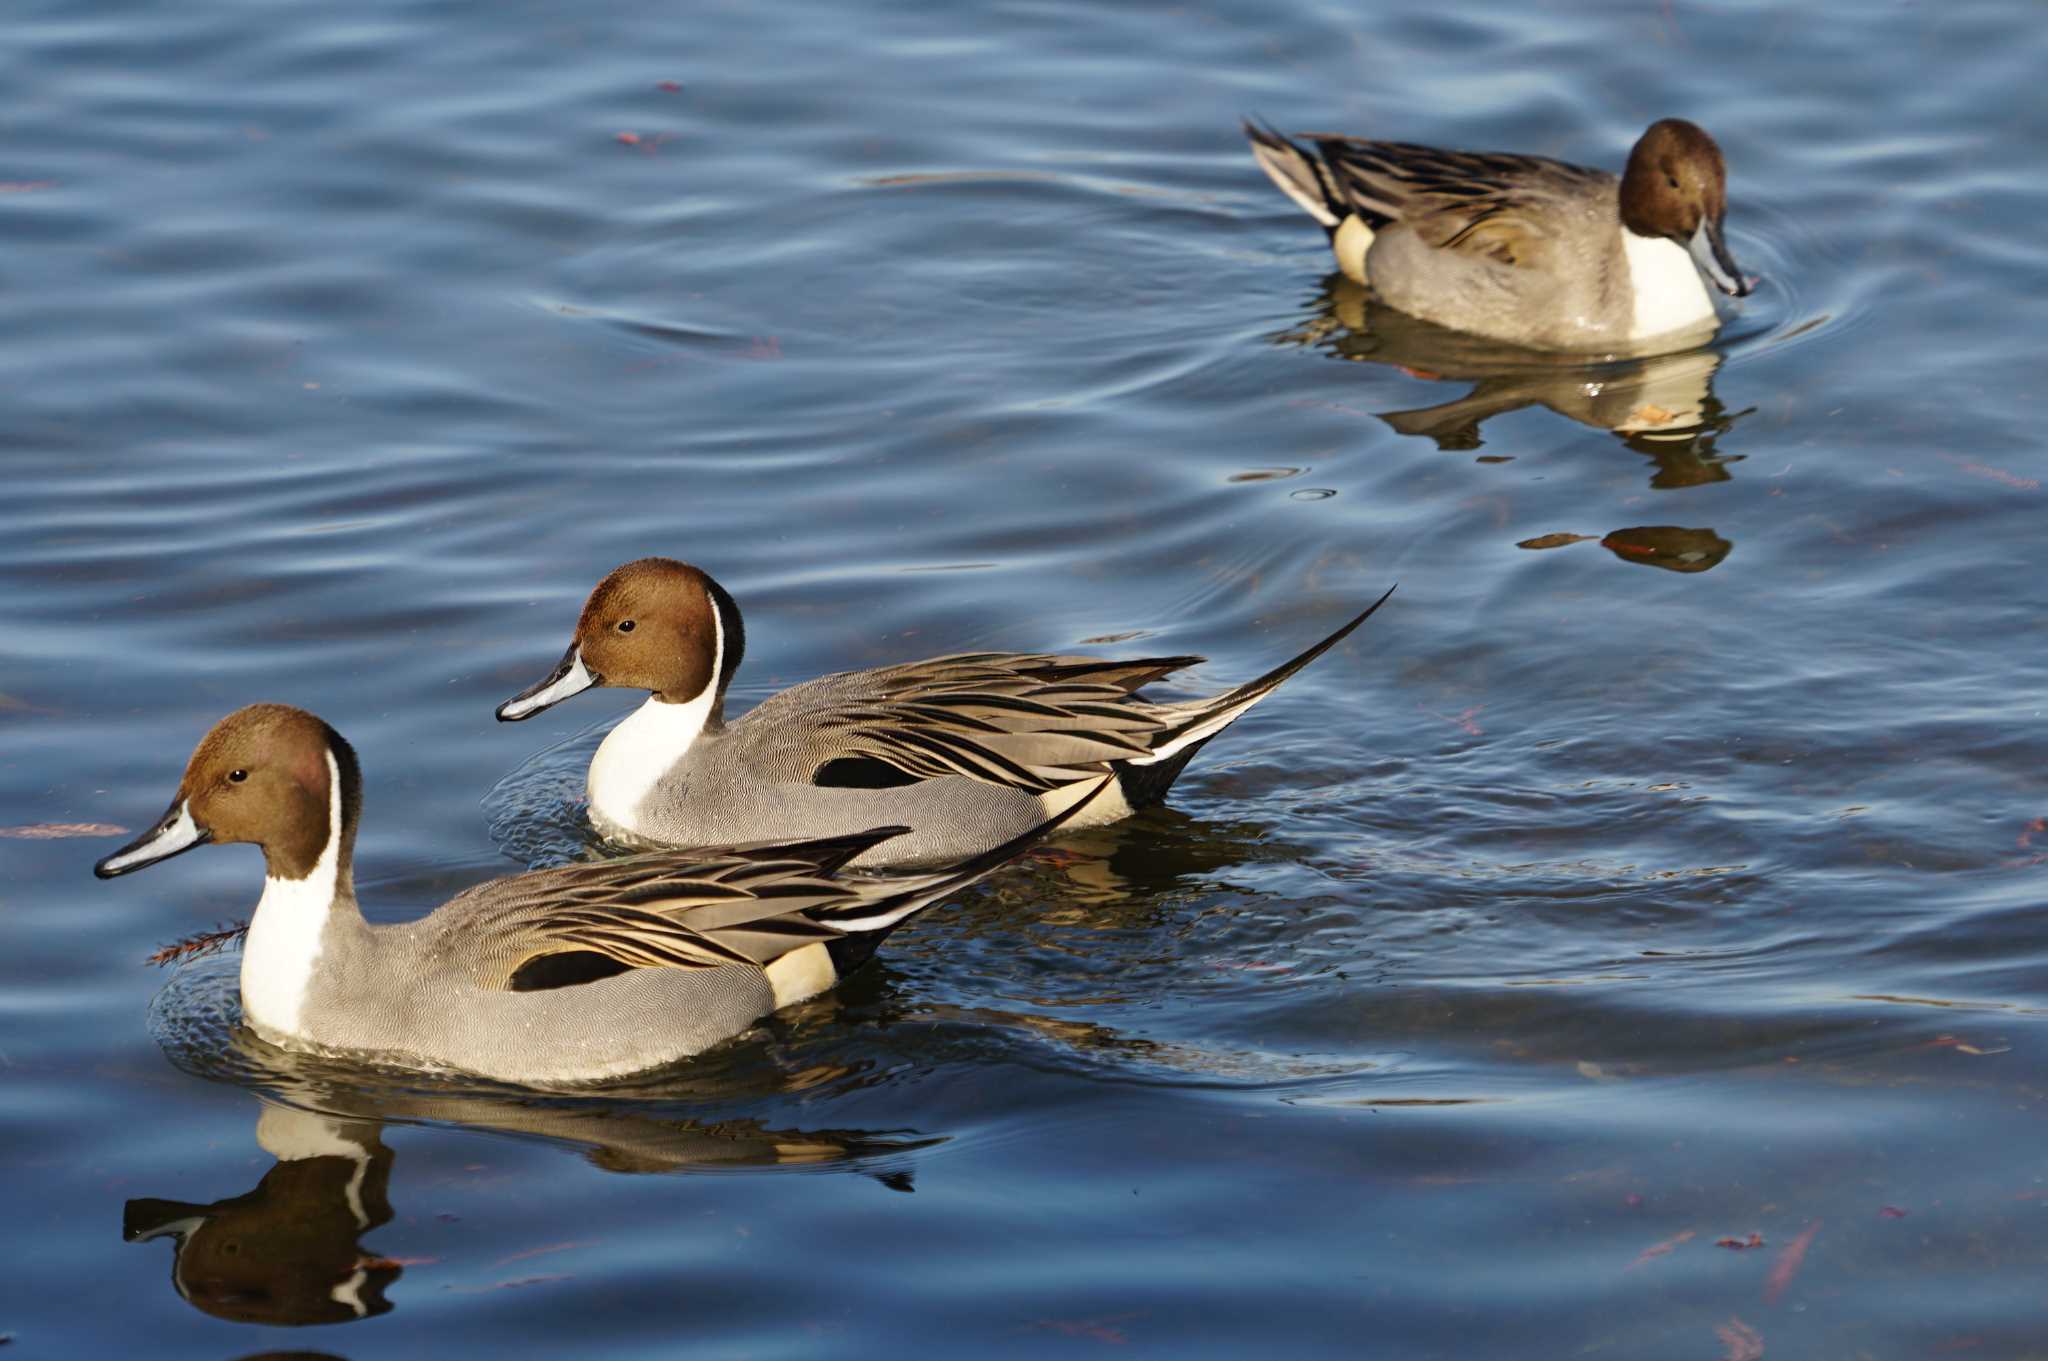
x=1224 y=710
x=1300 y=176
x=827 y=853
x=886 y=914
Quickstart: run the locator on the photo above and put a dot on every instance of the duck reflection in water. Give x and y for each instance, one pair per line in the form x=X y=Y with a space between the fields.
x=1662 y=406
x=290 y=1252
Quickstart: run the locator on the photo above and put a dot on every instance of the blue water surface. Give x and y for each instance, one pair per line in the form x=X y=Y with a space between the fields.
x=1664 y=865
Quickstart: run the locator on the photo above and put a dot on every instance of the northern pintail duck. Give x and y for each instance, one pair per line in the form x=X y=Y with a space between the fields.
x=567 y=975
x=1523 y=248
x=967 y=751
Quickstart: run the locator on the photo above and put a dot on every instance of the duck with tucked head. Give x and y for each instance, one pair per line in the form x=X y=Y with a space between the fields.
x=568 y=975
x=1524 y=248
x=966 y=751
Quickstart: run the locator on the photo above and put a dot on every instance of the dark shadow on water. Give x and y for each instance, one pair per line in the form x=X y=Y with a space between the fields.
x=1671 y=547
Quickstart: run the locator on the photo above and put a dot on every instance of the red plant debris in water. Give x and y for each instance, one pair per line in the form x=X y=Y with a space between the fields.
x=1099 y=1329
x=1975 y=469
x=669 y=87
x=1788 y=1263
x=2028 y=833
x=521 y=1282
x=1057 y=856
x=545 y=1250
x=1656 y=1250
x=1463 y=720
x=1890 y=1212
x=1755 y=1240
x=50 y=831
x=1743 y=1342
x=1962 y=1046
x=25 y=186
x=200 y=945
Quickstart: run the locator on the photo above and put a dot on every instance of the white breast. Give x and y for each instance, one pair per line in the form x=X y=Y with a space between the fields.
x=1669 y=295
x=637 y=753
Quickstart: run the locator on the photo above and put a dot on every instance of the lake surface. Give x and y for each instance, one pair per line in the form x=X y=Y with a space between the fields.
x=1664 y=865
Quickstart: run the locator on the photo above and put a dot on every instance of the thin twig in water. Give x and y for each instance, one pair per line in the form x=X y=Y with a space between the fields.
x=200 y=945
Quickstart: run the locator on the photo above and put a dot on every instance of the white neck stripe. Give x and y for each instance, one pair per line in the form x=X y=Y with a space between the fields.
x=651 y=741
x=285 y=932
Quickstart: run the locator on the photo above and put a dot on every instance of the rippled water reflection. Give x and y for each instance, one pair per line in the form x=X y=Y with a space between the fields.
x=1565 y=923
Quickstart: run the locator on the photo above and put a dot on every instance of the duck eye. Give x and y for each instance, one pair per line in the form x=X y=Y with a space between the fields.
x=625 y=626
x=237 y=776
x=1671 y=180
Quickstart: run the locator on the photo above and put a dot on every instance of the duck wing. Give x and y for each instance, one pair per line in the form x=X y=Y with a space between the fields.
x=1493 y=205
x=689 y=909
x=696 y=909
x=1027 y=721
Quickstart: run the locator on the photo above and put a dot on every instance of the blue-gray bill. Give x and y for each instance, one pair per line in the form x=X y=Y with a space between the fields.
x=570 y=677
x=1709 y=251
x=174 y=834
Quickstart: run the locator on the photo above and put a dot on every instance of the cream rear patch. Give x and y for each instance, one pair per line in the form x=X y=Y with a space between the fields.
x=1109 y=806
x=1350 y=243
x=802 y=973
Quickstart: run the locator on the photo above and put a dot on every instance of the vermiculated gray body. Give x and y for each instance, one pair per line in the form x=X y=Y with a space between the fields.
x=417 y=988
x=753 y=777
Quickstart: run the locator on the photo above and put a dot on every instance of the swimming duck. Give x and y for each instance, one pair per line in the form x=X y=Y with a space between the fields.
x=1524 y=248
x=967 y=751
x=563 y=976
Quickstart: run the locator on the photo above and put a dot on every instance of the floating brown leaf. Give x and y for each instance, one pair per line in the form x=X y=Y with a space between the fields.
x=1553 y=540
